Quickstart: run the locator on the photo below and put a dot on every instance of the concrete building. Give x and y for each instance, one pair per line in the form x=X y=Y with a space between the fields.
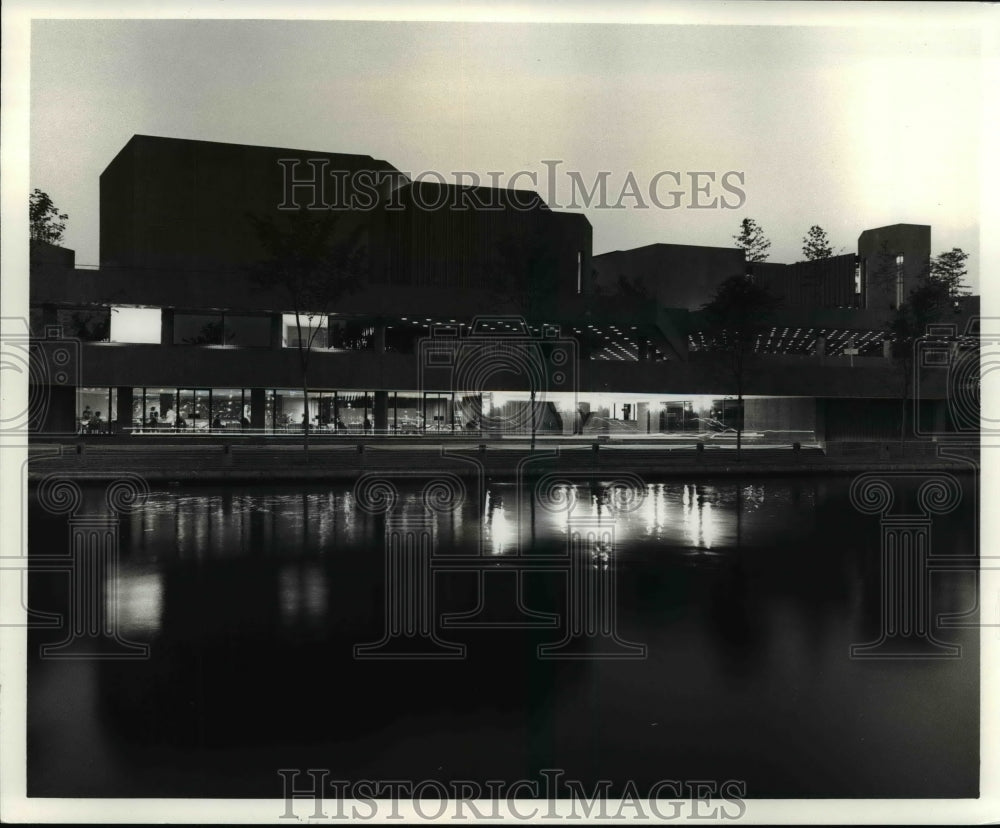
x=892 y=261
x=173 y=327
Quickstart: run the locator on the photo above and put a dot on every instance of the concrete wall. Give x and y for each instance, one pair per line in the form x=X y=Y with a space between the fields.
x=171 y=207
x=825 y=283
x=677 y=275
x=782 y=414
x=196 y=366
x=169 y=203
x=877 y=250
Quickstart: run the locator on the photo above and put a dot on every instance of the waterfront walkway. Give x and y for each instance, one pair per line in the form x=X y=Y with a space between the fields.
x=221 y=461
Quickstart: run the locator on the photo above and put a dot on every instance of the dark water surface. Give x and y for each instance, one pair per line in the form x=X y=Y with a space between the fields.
x=746 y=597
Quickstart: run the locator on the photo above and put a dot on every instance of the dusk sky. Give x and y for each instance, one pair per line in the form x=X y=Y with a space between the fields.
x=849 y=127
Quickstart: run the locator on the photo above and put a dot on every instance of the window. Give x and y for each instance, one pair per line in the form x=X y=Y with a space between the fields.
x=352 y=335
x=198 y=329
x=247 y=331
x=222 y=329
x=96 y=410
x=309 y=324
x=139 y=325
x=85 y=324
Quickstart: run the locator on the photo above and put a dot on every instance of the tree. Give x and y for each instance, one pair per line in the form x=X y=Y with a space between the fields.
x=949 y=270
x=46 y=223
x=211 y=333
x=525 y=279
x=735 y=318
x=752 y=241
x=925 y=305
x=310 y=268
x=816 y=244
x=633 y=288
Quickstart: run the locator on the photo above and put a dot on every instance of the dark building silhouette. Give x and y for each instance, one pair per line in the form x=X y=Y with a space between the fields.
x=172 y=327
x=823 y=283
x=675 y=275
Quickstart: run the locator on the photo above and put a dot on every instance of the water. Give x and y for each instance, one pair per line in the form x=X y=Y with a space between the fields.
x=746 y=597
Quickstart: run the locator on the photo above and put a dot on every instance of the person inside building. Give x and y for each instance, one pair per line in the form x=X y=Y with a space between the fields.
x=96 y=425
x=169 y=418
x=217 y=422
x=154 y=419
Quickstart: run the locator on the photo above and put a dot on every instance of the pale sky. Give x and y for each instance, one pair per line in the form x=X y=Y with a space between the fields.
x=847 y=127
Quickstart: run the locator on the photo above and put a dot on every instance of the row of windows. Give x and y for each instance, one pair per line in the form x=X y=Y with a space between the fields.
x=276 y=410
x=144 y=326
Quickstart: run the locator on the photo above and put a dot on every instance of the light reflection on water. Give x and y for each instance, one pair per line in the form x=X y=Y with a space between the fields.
x=747 y=596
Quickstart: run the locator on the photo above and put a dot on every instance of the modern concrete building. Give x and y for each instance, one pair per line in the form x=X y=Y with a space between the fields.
x=173 y=327
x=892 y=261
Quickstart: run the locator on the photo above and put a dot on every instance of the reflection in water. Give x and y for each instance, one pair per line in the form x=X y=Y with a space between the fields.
x=302 y=594
x=139 y=603
x=500 y=530
x=747 y=596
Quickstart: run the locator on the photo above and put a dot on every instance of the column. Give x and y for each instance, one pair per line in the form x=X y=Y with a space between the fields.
x=123 y=411
x=381 y=417
x=258 y=408
x=906 y=617
x=50 y=319
x=167 y=326
x=409 y=597
x=276 y=332
x=592 y=602
x=92 y=565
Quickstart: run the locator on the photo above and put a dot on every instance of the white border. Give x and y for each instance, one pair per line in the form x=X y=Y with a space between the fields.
x=17 y=15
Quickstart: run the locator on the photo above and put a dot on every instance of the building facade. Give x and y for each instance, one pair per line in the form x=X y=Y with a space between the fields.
x=467 y=300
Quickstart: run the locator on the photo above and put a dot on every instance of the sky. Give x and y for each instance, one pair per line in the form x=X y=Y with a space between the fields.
x=849 y=126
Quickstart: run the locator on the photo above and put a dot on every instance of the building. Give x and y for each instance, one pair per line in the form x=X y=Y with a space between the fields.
x=892 y=261
x=174 y=327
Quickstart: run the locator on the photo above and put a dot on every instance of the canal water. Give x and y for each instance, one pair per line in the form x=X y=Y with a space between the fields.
x=697 y=630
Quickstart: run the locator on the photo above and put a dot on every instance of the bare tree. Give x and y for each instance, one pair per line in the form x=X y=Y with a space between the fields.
x=734 y=319
x=524 y=278
x=308 y=266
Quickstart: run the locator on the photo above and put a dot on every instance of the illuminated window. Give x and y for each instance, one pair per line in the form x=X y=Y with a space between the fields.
x=141 y=325
x=311 y=328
